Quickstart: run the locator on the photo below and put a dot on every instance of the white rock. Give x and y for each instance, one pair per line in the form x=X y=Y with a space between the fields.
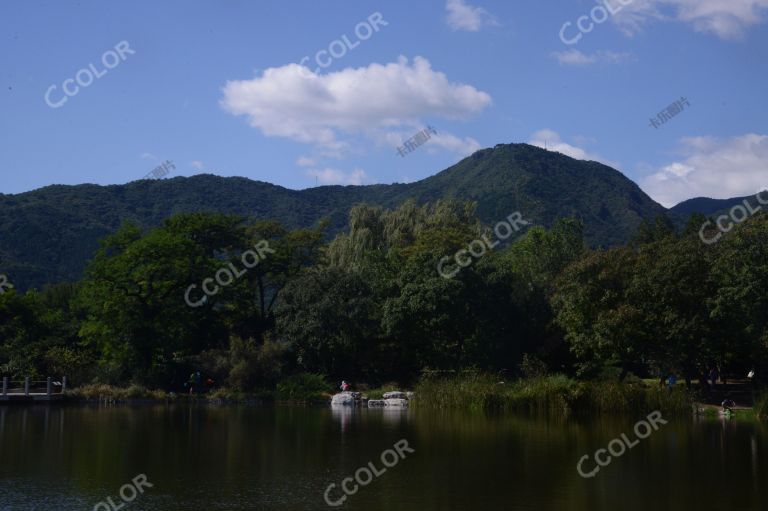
x=343 y=399
x=394 y=402
x=395 y=395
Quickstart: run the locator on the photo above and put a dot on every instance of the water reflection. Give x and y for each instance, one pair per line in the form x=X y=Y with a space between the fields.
x=283 y=458
x=343 y=414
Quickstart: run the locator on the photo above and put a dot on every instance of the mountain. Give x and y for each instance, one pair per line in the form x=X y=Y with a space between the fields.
x=48 y=235
x=709 y=207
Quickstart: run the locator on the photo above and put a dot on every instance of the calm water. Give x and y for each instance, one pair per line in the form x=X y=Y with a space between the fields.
x=284 y=458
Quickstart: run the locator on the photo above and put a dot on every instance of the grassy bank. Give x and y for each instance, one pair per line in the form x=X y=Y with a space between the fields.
x=761 y=406
x=550 y=394
x=110 y=393
x=300 y=388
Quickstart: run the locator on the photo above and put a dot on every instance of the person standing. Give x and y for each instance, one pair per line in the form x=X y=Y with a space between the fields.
x=671 y=381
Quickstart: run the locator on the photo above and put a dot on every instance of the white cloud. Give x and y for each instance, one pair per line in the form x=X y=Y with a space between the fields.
x=305 y=161
x=462 y=16
x=329 y=176
x=148 y=156
x=462 y=147
x=197 y=164
x=728 y=19
x=550 y=140
x=452 y=143
x=712 y=167
x=577 y=58
x=323 y=109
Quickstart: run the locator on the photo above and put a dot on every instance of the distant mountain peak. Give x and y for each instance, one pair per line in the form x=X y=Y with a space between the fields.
x=49 y=234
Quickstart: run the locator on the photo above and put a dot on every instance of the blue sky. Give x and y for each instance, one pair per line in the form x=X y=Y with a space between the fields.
x=217 y=87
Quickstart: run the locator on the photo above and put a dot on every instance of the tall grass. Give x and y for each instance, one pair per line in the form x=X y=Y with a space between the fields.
x=556 y=394
x=109 y=393
x=761 y=406
x=303 y=387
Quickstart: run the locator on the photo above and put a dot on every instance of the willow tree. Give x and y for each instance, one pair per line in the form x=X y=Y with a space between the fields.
x=374 y=232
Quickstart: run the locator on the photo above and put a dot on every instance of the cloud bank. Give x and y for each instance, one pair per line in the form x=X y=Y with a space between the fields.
x=327 y=109
x=712 y=167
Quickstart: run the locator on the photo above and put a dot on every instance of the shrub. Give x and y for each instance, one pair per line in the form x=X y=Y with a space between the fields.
x=761 y=406
x=303 y=387
x=556 y=394
x=245 y=365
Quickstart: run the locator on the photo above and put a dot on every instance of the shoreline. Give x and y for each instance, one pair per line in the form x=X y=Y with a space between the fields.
x=474 y=393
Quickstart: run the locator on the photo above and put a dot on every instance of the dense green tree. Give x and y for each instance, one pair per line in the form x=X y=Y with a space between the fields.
x=330 y=318
x=739 y=305
x=386 y=300
x=670 y=287
x=147 y=313
x=603 y=326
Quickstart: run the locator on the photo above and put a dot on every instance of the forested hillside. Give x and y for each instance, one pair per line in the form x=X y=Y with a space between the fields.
x=48 y=235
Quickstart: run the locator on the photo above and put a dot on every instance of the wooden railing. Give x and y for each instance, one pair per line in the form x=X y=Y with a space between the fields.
x=28 y=387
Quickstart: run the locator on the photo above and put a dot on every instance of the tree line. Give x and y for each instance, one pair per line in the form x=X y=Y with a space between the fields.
x=370 y=305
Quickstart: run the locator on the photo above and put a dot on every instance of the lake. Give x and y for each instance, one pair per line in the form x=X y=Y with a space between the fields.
x=284 y=458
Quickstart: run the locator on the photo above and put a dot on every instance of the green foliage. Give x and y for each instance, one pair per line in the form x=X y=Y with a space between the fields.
x=109 y=393
x=137 y=316
x=532 y=366
x=371 y=307
x=761 y=406
x=330 y=319
x=670 y=304
x=556 y=395
x=244 y=365
x=38 y=335
x=541 y=255
x=303 y=387
x=591 y=307
x=48 y=235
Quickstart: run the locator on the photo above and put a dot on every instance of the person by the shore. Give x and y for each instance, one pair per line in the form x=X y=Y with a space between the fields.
x=671 y=381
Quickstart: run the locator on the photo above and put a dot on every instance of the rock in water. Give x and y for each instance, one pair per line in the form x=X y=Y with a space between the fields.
x=343 y=399
x=395 y=395
x=398 y=403
x=375 y=403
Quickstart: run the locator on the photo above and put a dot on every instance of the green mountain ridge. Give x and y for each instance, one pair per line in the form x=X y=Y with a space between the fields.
x=710 y=207
x=48 y=235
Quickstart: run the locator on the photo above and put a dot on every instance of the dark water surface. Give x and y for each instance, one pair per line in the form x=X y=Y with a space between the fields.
x=284 y=458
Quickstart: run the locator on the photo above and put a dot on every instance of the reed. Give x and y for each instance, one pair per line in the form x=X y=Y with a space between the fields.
x=554 y=394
